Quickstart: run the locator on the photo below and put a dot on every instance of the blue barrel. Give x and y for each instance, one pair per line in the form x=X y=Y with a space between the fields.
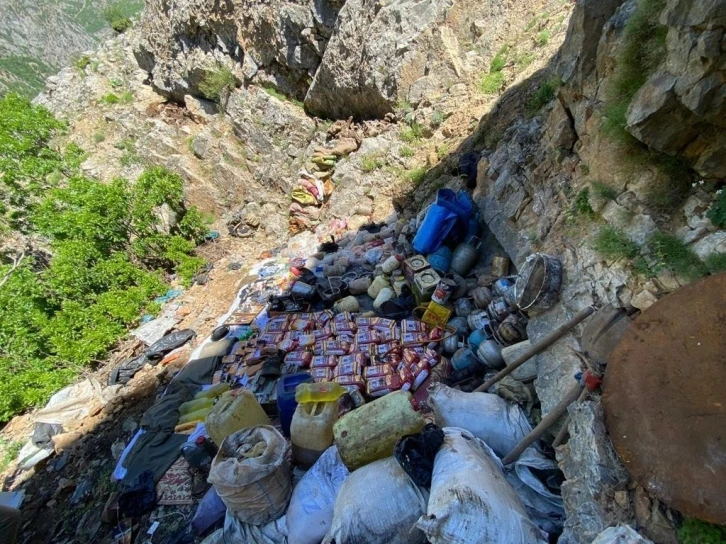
x=440 y=260
x=286 y=402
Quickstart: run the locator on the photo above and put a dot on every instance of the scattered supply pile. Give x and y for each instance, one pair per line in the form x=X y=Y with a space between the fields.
x=340 y=361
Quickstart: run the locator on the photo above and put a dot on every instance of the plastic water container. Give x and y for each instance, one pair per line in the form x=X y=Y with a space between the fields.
x=235 y=410
x=286 y=402
x=370 y=432
x=311 y=432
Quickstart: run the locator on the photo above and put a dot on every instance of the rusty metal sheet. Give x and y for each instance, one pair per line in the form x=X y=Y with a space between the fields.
x=665 y=399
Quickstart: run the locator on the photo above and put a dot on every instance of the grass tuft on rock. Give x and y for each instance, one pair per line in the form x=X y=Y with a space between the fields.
x=672 y=254
x=217 y=84
x=491 y=83
x=613 y=243
x=544 y=94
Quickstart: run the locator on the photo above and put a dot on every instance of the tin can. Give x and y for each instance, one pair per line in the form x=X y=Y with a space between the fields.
x=443 y=290
x=500 y=266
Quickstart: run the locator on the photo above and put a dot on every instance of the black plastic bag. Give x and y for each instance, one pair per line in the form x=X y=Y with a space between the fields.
x=126 y=370
x=139 y=497
x=168 y=343
x=416 y=453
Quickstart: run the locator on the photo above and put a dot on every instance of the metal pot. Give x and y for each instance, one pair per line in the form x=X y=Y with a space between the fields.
x=490 y=353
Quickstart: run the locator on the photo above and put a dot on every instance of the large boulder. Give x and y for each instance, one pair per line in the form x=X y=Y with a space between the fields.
x=278 y=43
x=382 y=51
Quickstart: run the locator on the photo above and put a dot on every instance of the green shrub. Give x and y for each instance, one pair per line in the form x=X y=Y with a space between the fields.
x=717 y=211
x=371 y=162
x=99 y=137
x=443 y=150
x=716 y=263
x=405 y=151
x=604 y=191
x=217 y=84
x=581 y=206
x=416 y=175
x=82 y=63
x=613 y=243
x=672 y=254
x=544 y=94
x=116 y=18
x=411 y=133
x=676 y=187
x=107 y=256
x=524 y=60
x=642 y=52
x=110 y=98
x=542 y=38
x=127 y=97
x=437 y=118
x=491 y=83
x=694 y=531
x=498 y=63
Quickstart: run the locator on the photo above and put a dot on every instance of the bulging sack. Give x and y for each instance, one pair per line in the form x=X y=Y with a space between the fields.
x=378 y=504
x=499 y=424
x=470 y=500
x=310 y=514
x=252 y=475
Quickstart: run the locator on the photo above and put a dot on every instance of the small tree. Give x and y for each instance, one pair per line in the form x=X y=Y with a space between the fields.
x=116 y=18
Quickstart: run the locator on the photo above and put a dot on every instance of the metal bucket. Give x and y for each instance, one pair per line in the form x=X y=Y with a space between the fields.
x=538 y=284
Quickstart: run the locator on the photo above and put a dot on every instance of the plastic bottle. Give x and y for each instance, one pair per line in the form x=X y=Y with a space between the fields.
x=311 y=432
x=379 y=283
x=235 y=410
x=318 y=392
x=391 y=264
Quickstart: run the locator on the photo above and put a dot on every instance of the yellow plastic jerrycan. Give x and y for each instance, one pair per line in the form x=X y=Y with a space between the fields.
x=235 y=410
x=370 y=432
x=311 y=432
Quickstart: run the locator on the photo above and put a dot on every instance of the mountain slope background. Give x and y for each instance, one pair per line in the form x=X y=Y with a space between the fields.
x=37 y=39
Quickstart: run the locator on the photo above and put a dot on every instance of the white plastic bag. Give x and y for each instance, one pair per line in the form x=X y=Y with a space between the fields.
x=544 y=507
x=622 y=534
x=312 y=504
x=378 y=504
x=252 y=475
x=470 y=500
x=500 y=424
x=236 y=532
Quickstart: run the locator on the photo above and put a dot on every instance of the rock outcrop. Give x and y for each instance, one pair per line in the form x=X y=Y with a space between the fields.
x=277 y=43
x=383 y=52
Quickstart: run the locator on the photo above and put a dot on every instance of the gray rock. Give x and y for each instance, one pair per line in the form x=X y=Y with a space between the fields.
x=528 y=370
x=560 y=128
x=710 y=244
x=379 y=49
x=201 y=145
x=593 y=473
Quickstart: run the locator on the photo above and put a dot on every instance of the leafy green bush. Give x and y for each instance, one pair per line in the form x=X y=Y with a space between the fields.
x=603 y=190
x=116 y=18
x=491 y=83
x=581 y=206
x=542 y=38
x=416 y=175
x=544 y=94
x=694 y=531
x=82 y=63
x=411 y=133
x=107 y=256
x=437 y=118
x=110 y=99
x=674 y=255
x=716 y=263
x=406 y=151
x=717 y=212
x=217 y=84
x=642 y=52
x=613 y=243
x=498 y=63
